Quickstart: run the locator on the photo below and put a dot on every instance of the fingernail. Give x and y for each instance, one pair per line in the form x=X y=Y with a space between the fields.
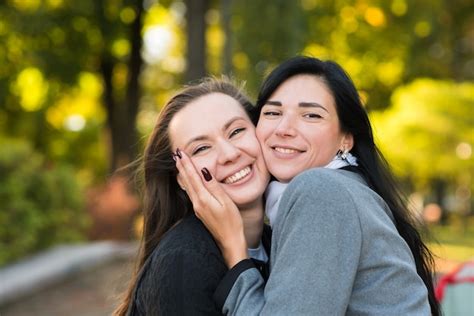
x=178 y=153
x=206 y=174
x=173 y=156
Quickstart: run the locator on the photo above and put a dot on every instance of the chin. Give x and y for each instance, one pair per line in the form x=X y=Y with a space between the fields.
x=285 y=176
x=246 y=201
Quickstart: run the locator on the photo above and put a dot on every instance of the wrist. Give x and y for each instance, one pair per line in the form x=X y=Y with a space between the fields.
x=235 y=251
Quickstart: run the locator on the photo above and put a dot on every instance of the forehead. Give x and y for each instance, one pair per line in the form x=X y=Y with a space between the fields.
x=303 y=88
x=206 y=114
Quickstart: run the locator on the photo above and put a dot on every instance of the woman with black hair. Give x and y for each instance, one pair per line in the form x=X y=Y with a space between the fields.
x=343 y=241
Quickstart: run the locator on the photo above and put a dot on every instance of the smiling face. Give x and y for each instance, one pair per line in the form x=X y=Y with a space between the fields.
x=216 y=132
x=298 y=127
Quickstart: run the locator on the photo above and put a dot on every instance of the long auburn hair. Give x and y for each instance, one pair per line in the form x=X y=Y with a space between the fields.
x=164 y=203
x=354 y=120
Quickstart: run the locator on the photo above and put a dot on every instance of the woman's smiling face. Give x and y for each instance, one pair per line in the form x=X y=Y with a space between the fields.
x=216 y=132
x=298 y=127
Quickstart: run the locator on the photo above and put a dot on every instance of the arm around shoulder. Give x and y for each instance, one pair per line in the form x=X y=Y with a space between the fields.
x=316 y=247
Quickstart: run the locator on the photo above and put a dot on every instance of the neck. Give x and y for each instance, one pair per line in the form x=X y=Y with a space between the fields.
x=252 y=218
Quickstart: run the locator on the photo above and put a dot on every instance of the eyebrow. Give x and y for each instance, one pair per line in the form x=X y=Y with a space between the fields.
x=301 y=104
x=205 y=137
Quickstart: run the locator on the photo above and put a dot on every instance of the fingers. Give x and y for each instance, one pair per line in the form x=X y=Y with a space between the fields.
x=214 y=208
x=214 y=187
x=193 y=183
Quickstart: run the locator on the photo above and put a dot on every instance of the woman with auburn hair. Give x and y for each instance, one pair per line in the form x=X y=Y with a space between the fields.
x=180 y=265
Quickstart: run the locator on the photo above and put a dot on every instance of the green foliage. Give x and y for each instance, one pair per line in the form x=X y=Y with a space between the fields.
x=459 y=231
x=454 y=241
x=52 y=58
x=382 y=44
x=41 y=205
x=264 y=35
x=427 y=132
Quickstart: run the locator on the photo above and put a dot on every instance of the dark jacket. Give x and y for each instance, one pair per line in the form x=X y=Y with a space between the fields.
x=183 y=272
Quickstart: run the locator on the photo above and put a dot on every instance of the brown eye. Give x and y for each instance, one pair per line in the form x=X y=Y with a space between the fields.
x=270 y=113
x=312 y=115
x=237 y=131
x=200 y=149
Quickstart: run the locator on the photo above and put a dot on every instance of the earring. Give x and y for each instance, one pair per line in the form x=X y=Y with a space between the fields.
x=342 y=153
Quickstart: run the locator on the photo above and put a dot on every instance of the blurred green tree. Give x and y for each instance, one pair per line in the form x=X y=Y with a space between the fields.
x=262 y=36
x=61 y=52
x=428 y=136
x=382 y=44
x=32 y=217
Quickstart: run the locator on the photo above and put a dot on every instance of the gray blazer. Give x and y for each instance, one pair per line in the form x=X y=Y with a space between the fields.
x=335 y=251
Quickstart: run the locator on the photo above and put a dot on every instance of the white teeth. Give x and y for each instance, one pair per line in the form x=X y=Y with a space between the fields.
x=237 y=176
x=285 y=150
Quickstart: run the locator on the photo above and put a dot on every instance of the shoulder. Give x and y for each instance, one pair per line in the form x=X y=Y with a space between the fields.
x=343 y=194
x=189 y=235
x=324 y=185
x=335 y=187
x=325 y=179
x=328 y=196
x=186 y=260
x=187 y=247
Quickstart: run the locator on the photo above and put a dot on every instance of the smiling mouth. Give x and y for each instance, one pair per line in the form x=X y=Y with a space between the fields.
x=286 y=150
x=239 y=175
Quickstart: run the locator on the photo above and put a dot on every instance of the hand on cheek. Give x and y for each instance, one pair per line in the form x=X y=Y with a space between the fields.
x=214 y=208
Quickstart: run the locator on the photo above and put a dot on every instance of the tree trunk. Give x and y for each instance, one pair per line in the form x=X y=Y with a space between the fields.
x=132 y=99
x=227 y=53
x=122 y=113
x=196 y=39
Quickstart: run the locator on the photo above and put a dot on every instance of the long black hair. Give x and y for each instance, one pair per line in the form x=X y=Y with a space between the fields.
x=354 y=120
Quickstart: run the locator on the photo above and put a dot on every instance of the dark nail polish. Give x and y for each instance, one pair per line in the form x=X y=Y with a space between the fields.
x=178 y=153
x=206 y=174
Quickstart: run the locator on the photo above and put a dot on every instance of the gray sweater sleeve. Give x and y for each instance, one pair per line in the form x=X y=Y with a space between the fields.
x=310 y=248
x=335 y=251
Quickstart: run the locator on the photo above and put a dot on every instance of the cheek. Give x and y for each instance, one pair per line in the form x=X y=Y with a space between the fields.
x=204 y=162
x=250 y=144
x=261 y=132
x=312 y=134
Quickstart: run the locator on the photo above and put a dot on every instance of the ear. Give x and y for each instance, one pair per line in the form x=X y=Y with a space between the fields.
x=347 y=141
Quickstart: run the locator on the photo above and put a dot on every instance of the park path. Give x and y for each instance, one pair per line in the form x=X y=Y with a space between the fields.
x=90 y=293
x=95 y=292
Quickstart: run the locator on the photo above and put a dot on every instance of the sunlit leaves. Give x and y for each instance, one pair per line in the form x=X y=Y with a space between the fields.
x=422 y=28
x=31 y=88
x=128 y=15
x=240 y=61
x=26 y=5
x=375 y=16
x=215 y=39
x=399 y=7
x=316 y=50
x=163 y=37
x=90 y=84
x=120 y=48
x=427 y=132
x=74 y=109
x=390 y=72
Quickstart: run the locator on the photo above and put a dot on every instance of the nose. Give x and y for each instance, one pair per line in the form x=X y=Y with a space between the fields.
x=285 y=127
x=228 y=152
